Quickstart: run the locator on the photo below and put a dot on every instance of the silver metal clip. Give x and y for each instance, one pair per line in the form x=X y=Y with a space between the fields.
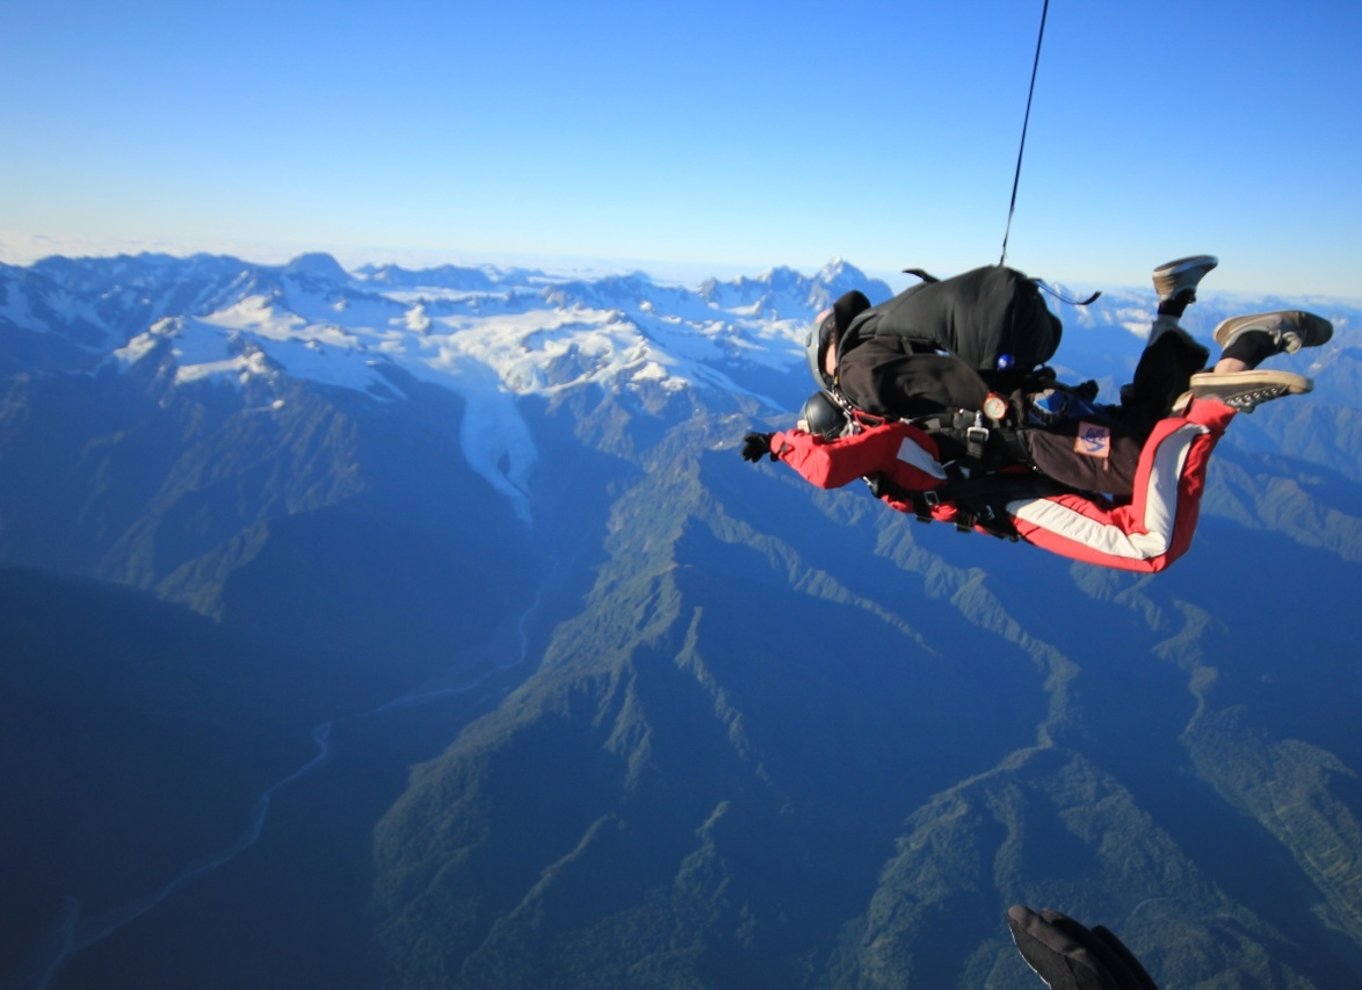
x=978 y=433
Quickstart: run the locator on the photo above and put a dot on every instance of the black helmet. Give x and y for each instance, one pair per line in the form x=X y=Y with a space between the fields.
x=823 y=416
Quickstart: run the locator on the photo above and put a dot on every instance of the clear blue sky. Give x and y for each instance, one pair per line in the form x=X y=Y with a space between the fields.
x=693 y=138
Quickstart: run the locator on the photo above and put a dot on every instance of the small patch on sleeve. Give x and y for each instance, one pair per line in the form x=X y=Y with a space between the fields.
x=1093 y=440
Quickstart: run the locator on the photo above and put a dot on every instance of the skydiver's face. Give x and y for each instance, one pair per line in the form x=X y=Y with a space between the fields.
x=830 y=358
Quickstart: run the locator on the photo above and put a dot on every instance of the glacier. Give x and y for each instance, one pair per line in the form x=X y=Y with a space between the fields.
x=489 y=336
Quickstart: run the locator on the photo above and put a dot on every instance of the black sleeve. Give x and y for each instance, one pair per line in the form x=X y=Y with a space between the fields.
x=883 y=376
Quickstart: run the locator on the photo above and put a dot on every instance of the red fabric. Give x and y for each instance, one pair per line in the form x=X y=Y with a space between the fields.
x=875 y=450
x=1146 y=533
x=1155 y=527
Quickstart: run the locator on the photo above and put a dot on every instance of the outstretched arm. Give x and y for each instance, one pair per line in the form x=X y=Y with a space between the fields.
x=902 y=451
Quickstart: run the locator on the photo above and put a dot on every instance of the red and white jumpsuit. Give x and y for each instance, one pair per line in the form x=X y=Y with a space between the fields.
x=1146 y=532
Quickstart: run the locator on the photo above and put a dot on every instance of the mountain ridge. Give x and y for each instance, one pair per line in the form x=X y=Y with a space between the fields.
x=606 y=704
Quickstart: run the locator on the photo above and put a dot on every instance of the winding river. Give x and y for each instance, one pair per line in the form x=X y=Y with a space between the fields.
x=74 y=932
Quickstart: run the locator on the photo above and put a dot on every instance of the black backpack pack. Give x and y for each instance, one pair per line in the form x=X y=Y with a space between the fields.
x=992 y=318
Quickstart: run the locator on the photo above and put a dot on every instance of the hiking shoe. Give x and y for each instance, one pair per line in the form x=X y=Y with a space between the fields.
x=1176 y=277
x=1290 y=330
x=1243 y=390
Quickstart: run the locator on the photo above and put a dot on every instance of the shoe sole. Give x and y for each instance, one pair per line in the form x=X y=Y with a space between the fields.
x=1254 y=388
x=1293 y=383
x=1301 y=328
x=1207 y=261
x=1166 y=275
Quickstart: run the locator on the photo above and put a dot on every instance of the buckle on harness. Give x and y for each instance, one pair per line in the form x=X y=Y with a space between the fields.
x=924 y=503
x=966 y=520
x=976 y=437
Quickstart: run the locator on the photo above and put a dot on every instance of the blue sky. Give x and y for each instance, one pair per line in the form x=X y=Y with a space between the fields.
x=693 y=139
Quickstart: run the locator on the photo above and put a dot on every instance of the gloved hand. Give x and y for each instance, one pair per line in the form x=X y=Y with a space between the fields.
x=1068 y=956
x=755 y=446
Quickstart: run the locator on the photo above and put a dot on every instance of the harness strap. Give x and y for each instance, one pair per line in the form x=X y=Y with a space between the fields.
x=979 y=502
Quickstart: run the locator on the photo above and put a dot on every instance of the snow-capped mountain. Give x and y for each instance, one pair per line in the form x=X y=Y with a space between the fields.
x=486 y=335
x=316 y=322
x=533 y=332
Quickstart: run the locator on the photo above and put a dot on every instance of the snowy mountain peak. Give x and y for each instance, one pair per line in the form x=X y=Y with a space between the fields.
x=453 y=277
x=837 y=271
x=518 y=333
x=318 y=265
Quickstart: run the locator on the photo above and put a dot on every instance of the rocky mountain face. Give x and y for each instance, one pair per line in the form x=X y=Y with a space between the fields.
x=424 y=629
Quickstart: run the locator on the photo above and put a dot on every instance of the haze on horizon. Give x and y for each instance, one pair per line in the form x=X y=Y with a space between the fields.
x=713 y=140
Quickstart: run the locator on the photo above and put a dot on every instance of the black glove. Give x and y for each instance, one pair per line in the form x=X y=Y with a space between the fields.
x=755 y=446
x=1068 y=956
